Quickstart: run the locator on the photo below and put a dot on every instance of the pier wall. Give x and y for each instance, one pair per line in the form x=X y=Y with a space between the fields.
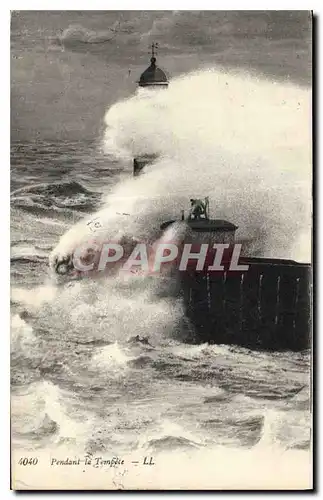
x=267 y=307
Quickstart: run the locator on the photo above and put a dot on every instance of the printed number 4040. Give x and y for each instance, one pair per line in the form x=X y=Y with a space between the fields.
x=28 y=461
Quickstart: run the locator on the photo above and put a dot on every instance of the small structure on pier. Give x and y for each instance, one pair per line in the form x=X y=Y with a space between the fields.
x=202 y=229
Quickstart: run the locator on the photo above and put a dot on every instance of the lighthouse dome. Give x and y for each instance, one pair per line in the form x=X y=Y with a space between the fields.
x=153 y=76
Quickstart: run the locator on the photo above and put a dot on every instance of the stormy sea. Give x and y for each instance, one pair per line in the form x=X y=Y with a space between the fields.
x=82 y=382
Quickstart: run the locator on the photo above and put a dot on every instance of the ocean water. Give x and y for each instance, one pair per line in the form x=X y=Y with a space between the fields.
x=80 y=381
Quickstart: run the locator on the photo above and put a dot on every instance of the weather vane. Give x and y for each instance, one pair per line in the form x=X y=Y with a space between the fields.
x=154 y=48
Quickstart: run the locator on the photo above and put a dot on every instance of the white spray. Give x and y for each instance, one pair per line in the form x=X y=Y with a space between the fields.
x=243 y=141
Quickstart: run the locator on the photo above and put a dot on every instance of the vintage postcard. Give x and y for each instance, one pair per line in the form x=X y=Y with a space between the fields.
x=161 y=222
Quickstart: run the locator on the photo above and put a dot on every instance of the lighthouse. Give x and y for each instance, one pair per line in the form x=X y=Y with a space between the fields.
x=152 y=79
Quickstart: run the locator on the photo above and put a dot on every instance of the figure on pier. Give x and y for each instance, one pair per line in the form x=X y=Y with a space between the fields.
x=199 y=209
